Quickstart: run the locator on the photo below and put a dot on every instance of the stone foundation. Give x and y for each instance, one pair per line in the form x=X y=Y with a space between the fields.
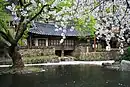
x=81 y=54
x=46 y=51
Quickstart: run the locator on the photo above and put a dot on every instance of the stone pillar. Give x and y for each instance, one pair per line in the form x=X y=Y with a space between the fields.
x=87 y=49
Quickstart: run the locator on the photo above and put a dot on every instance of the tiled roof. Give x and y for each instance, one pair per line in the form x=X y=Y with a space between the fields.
x=49 y=29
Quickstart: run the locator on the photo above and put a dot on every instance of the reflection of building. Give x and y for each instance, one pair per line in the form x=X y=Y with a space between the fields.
x=45 y=35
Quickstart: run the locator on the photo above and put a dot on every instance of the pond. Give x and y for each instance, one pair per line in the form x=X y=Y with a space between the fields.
x=69 y=76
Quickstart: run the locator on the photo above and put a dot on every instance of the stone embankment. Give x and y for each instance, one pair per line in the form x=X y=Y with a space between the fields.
x=124 y=65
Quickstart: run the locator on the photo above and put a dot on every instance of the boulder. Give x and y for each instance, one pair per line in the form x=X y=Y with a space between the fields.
x=106 y=64
x=69 y=58
x=125 y=65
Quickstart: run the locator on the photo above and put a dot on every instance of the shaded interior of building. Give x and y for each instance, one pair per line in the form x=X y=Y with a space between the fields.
x=66 y=52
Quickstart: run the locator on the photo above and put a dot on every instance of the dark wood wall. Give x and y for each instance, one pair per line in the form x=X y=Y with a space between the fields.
x=69 y=42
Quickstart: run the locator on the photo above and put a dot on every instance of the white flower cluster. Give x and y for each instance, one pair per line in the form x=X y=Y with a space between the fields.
x=116 y=17
x=109 y=14
x=64 y=18
x=13 y=10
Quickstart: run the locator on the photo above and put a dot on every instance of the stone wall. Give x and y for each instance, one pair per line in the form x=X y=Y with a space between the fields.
x=45 y=51
x=81 y=54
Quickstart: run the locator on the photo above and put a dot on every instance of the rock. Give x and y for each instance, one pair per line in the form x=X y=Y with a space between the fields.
x=125 y=65
x=113 y=66
x=69 y=58
x=106 y=64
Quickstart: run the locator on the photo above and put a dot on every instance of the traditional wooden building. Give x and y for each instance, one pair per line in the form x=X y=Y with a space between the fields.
x=45 y=35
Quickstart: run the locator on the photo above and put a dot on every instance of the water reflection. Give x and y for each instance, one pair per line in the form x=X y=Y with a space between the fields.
x=68 y=76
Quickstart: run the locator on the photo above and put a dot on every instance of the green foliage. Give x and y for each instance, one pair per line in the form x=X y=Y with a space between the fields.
x=4 y=19
x=96 y=3
x=65 y=3
x=86 y=26
x=91 y=25
x=126 y=55
x=3 y=15
x=113 y=8
x=129 y=50
x=108 y=10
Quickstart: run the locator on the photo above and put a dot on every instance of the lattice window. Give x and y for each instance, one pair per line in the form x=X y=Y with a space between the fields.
x=41 y=42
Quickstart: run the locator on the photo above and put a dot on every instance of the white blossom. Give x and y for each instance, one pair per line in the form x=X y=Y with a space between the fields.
x=55 y=3
x=43 y=2
x=64 y=30
x=34 y=3
x=72 y=28
x=9 y=8
x=62 y=34
x=28 y=8
x=108 y=48
x=56 y=26
x=61 y=41
x=24 y=13
x=60 y=28
x=16 y=18
x=56 y=29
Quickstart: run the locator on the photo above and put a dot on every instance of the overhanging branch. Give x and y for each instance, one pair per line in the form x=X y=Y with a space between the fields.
x=19 y=25
x=24 y=27
x=37 y=14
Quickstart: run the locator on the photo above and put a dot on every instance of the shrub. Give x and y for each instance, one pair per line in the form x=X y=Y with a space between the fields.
x=126 y=55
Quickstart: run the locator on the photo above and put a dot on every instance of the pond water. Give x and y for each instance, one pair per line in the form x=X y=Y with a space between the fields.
x=69 y=76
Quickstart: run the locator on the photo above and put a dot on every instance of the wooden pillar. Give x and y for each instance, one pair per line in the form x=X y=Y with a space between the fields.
x=30 y=42
x=62 y=50
x=94 y=43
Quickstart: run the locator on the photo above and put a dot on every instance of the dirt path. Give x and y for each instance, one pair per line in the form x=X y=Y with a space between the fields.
x=68 y=63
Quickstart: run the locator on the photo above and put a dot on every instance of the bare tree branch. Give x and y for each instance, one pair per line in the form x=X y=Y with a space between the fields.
x=37 y=14
x=21 y=3
x=27 y=5
x=124 y=14
x=128 y=5
x=19 y=26
x=97 y=6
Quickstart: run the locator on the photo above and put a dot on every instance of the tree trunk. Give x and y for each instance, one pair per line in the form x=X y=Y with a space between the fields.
x=16 y=57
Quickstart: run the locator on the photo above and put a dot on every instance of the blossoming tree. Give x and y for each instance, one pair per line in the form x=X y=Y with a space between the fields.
x=113 y=21
x=77 y=14
x=63 y=13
